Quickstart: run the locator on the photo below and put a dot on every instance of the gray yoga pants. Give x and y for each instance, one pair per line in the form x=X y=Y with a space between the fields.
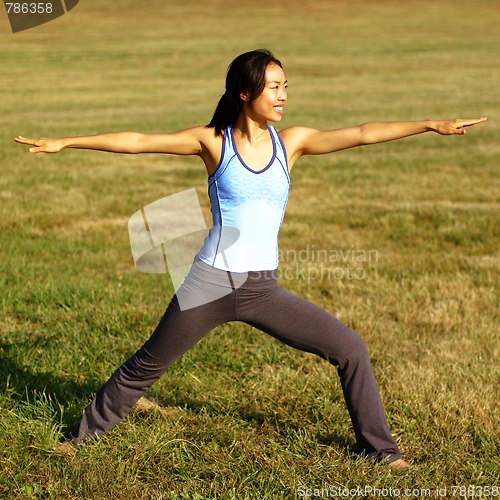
x=257 y=299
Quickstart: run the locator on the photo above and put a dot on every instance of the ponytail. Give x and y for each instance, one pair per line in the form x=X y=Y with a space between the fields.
x=224 y=115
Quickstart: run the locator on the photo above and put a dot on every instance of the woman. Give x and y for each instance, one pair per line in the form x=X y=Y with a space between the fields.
x=248 y=164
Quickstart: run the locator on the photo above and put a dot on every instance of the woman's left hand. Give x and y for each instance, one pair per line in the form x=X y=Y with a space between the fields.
x=455 y=127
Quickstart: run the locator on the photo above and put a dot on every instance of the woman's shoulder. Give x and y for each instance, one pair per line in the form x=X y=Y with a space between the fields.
x=292 y=137
x=206 y=136
x=295 y=131
x=211 y=146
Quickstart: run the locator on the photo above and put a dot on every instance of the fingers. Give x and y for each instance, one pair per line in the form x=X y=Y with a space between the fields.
x=458 y=126
x=23 y=140
x=38 y=143
x=469 y=123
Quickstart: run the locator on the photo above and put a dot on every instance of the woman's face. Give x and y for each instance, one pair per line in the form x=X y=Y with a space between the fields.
x=269 y=105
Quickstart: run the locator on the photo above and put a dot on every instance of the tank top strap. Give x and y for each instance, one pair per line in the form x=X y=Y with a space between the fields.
x=227 y=154
x=229 y=151
x=228 y=140
x=280 y=150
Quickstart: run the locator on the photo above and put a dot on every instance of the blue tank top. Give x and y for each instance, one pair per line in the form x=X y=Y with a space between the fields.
x=247 y=209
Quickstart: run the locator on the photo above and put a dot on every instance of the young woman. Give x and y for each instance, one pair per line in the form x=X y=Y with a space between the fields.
x=248 y=164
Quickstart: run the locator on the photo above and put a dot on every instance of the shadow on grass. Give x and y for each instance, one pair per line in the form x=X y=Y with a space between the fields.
x=65 y=395
x=280 y=424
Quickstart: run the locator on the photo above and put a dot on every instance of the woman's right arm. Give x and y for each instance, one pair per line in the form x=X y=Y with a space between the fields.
x=185 y=142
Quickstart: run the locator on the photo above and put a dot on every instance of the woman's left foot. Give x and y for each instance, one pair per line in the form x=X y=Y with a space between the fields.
x=399 y=464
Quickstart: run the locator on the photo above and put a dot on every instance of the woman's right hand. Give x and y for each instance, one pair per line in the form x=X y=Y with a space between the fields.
x=42 y=145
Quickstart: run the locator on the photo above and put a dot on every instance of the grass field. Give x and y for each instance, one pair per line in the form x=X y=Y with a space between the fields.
x=243 y=416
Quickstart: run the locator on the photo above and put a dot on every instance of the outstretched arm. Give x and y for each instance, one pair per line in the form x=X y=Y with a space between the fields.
x=307 y=141
x=186 y=142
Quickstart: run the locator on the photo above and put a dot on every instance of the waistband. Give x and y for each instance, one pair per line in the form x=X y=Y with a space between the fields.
x=216 y=276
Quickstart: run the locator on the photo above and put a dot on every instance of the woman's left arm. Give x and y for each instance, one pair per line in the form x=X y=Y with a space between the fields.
x=308 y=141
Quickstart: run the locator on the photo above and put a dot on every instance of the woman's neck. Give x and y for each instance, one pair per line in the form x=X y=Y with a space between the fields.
x=250 y=130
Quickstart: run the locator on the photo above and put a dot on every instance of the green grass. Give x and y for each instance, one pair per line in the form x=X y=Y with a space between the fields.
x=245 y=416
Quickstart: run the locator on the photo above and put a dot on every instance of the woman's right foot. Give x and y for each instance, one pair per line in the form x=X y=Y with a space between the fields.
x=66 y=448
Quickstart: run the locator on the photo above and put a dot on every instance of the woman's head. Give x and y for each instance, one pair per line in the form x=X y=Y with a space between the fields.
x=246 y=74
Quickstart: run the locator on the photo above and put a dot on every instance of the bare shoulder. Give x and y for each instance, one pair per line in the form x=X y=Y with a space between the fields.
x=295 y=133
x=211 y=147
x=293 y=138
x=199 y=133
x=206 y=136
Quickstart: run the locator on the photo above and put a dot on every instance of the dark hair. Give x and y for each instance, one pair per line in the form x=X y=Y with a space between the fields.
x=247 y=73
